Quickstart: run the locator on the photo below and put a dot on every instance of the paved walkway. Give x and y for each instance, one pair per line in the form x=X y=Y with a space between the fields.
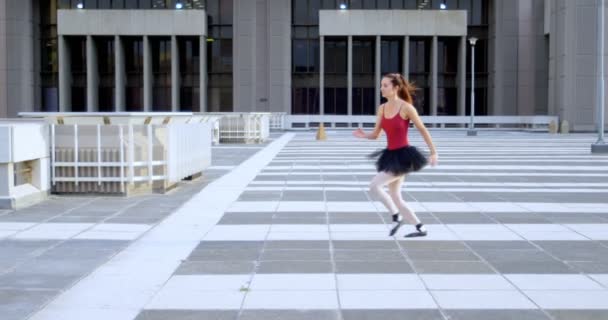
x=518 y=229
x=47 y=248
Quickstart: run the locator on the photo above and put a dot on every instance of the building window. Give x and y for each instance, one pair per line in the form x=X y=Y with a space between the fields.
x=420 y=69
x=105 y=67
x=220 y=55
x=364 y=76
x=49 y=78
x=189 y=66
x=161 y=73
x=336 y=92
x=77 y=47
x=134 y=62
x=448 y=49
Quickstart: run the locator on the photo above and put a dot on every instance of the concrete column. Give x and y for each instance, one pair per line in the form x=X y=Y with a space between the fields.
x=434 y=76
x=279 y=55
x=406 y=57
x=349 y=77
x=65 y=98
x=119 y=75
x=92 y=76
x=322 y=75
x=377 y=70
x=175 y=81
x=148 y=76
x=462 y=74
x=203 y=74
x=19 y=59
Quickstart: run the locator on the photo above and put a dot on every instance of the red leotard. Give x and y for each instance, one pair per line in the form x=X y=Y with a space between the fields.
x=396 y=130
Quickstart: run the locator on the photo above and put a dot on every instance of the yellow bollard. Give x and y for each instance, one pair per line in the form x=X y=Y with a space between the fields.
x=321 y=132
x=565 y=127
x=552 y=127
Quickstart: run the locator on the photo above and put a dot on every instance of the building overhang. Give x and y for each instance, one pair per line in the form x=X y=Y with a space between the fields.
x=392 y=22
x=131 y=22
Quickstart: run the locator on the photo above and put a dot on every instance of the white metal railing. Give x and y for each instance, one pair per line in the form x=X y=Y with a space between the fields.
x=236 y=127
x=277 y=120
x=353 y=121
x=126 y=157
x=214 y=121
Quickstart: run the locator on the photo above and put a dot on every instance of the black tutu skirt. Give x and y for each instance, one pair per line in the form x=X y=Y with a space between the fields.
x=399 y=161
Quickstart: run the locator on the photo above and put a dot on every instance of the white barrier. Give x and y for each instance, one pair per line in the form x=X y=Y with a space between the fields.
x=354 y=121
x=277 y=120
x=24 y=163
x=214 y=121
x=124 y=159
x=238 y=127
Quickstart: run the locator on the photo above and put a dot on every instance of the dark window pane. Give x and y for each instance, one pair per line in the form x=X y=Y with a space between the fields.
x=397 y=4
x=118 y=4
x=130 y=4
x=392 y=56
x=329 y=4
x=300 y=12
x=313 y=11
x=410 y=4
x=226 y=12
x=300 y=55
x=369 y=4
x=341 y=101
x=329 y=101
x=105 y=67
x=476 y=12
x=383 y=4
x=78 y=66
x=364 y=55
x=419 y=52
x=50 y=99
x=357 y=100
x=314 y=55
x=356 y=4
x=300 y=32
x=335 y=55
x=104 y=4
x=447 y=55
x=65 y=4
x=133 y=51
x=145 y=4
x=213 y=12
x=161 y=4
x=189 y=56
x=161 y=67
x=313 y=101
x=369 y=101
x=299 y=102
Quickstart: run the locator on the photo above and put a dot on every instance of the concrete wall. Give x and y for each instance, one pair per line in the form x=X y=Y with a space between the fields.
x=262 y=55
x=18 y=72
x=131 y=22
x=517 y=53
x=393 y=22
x=573 y=66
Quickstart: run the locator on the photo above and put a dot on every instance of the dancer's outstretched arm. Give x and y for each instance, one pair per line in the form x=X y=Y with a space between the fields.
x=359 y=133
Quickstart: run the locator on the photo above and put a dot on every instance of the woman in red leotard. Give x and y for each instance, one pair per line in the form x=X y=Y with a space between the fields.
x=399 y=157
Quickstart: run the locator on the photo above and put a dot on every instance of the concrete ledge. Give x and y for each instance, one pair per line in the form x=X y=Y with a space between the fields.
x=132 y=22
x=22 y=201
x=393 y=22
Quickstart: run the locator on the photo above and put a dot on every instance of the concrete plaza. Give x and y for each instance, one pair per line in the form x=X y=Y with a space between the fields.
x=518 y=229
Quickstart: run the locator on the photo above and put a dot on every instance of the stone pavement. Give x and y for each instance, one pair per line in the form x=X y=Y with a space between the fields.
x=518 y=229
x=46 y=248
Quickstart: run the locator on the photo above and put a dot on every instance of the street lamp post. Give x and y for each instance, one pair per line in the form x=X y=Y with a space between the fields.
x=471 y=131
x=600 y=146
